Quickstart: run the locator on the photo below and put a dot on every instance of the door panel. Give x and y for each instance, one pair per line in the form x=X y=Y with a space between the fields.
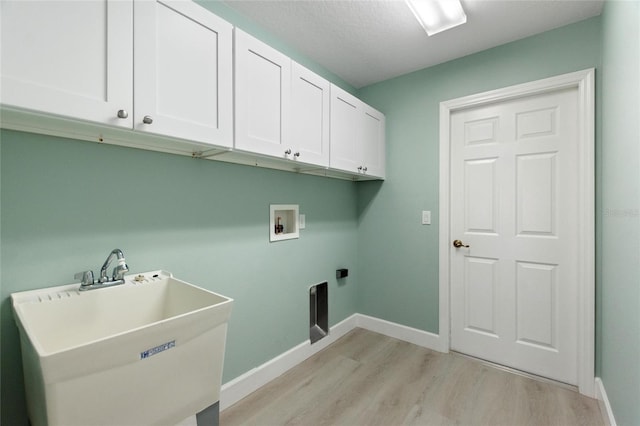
x=263 y=93
x=480 y=204
x=310 y=116
x=536 y=123
x=481 y=131
x=345 y=130
x=537 y=202
x=514 y=182
x=69 y=58
x=265 y=81
x=480 y=294
x=373 y=142
x=536 y=307
x=186 y=92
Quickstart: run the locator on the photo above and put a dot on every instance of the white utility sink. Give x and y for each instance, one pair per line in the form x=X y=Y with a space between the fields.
x=146 y=352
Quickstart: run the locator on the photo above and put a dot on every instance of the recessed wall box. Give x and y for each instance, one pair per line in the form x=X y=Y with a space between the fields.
x=341 y=273
x=318 y=312
x=283 y=222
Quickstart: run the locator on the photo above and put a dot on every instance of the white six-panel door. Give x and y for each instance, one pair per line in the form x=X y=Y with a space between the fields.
x=514 y=186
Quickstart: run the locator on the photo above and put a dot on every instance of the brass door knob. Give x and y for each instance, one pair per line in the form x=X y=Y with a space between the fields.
x=458 y=244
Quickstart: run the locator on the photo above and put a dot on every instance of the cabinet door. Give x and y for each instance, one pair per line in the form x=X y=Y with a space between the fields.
x=263 y=92
x=346 y=130
x=373 y=142
x=69 y=58
x=310 y=97
x=183 y=72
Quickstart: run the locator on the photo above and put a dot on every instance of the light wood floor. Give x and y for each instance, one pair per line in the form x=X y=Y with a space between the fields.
x=369 y=379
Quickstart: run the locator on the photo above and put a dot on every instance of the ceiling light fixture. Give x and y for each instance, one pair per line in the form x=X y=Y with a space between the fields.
x=437 y=15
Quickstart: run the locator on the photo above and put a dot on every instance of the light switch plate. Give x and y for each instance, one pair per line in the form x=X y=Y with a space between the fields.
x=426 y=217
x=302 y=221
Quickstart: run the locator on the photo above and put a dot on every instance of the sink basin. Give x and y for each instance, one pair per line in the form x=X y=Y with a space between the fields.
x=146 y=352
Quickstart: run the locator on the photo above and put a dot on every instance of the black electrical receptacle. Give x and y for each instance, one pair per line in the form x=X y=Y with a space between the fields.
x=318 y=311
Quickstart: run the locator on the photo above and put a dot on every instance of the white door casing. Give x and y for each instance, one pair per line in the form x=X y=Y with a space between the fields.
x=542 y=207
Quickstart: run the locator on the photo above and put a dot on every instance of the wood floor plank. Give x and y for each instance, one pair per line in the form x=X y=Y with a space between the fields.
x=369 y=379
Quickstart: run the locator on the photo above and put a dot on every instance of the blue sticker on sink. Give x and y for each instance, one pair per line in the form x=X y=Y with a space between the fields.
x=161 y=348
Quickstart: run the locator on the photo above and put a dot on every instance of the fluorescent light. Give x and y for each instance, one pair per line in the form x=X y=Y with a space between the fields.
x=437 y=15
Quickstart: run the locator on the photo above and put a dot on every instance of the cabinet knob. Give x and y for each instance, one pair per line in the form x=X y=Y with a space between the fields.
x=122 y=113
x=297 y=154
x=364 y=169
x=360 y=168
x=147 y=119
x=287 y=152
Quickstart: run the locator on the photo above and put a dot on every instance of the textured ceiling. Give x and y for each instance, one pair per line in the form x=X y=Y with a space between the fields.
x=367 y=41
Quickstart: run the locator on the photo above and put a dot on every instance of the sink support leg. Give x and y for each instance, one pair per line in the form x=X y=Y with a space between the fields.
x=210 y=416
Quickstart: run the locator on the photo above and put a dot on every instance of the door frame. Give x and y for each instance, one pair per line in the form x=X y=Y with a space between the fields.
x=584 y=82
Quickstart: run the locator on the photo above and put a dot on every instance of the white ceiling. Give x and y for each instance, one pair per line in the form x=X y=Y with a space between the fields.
x=367 y=41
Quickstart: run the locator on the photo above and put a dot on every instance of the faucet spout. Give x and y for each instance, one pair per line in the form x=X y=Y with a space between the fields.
x=88 y=283
x=118 y=272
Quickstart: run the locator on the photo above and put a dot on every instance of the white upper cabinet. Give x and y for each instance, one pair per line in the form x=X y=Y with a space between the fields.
x=310 y=99
x=76 y=59
x=345 y=132
x=357 y=135
x=282 y=108
x=263 y=95
x=285 y=111
x=148 y=68
x=69 y=58
x=183 y=72
x=373 y=146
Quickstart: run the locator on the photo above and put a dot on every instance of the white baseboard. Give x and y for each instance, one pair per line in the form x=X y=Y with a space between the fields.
x=400 y=332
x=252 y=380
x=605 y=406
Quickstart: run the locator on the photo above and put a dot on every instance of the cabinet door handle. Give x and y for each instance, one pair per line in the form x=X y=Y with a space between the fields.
x=297 y=154
x=364 y=169
x=147 y=119
x=287 y=152
x=123 y=114
x=360 y=168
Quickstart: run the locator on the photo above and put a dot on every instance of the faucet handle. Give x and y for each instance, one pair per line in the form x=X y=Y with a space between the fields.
x=120 y=270
x=86 y=277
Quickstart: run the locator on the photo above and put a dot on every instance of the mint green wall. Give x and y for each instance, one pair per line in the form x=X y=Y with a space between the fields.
x=398 y=257
x=207 y=222
x=66 y=204
x=620 y=256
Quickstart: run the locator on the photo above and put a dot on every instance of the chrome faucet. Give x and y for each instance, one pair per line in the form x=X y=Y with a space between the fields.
x=88 y=283
x=118 y=271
